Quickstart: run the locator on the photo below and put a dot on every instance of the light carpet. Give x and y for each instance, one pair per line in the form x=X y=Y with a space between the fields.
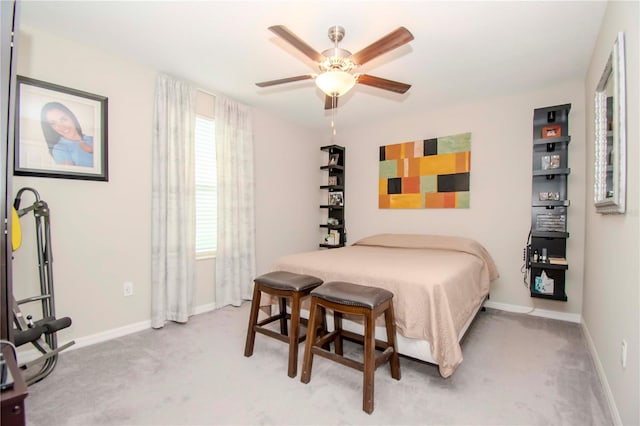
x=517 y=370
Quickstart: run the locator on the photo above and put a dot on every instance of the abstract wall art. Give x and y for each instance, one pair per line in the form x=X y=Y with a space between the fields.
x=430 y=173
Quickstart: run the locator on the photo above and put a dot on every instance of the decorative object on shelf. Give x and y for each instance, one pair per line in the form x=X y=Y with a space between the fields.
x=332 y=180
x=551 y=132
x=544 y=284
x=550 y=161
x=430 y=173
x=611 y=137
x=335 y=198
x=333 y=159
x=551 y=222
x=549 y=196
x=551 y=117
x=543 y=254
x=60 y=132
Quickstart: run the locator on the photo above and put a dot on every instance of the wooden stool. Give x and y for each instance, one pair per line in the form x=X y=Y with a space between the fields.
x=347 y=298
x=284 y=285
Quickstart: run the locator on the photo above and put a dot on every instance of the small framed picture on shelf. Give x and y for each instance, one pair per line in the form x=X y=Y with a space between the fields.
x=549 y=132
x=333 y=159
x=336 y=198
x=550 y=161
x=333 y=180
x=549 y=196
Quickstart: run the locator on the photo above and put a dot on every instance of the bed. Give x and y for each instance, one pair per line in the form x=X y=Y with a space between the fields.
x=439 y=284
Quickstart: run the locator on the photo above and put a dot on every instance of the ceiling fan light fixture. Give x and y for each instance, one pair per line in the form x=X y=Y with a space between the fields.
x=335 y=82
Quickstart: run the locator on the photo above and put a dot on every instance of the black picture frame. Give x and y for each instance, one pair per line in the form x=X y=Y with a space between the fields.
x=60 y=132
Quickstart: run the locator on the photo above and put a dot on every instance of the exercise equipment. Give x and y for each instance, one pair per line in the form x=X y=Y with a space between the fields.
x=40 y=333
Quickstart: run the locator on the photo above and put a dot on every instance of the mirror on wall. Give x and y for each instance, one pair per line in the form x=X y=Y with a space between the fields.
x=611 y=140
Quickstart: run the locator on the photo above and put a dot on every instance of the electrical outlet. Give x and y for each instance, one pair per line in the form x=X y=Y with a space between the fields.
x=623 y=353
x=127 y=288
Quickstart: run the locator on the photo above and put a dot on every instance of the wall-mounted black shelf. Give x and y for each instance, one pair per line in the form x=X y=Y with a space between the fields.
x=558 y=203
x=334 y=168
x=547 y=265
x=549 y=201
x=333 y=236
x=550 y=172
x=549 y=234
x=548 y=141
x=323 y=225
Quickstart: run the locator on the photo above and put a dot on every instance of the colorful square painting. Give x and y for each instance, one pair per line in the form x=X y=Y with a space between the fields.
x=432 y=173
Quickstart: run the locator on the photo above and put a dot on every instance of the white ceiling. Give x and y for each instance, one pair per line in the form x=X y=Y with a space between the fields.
x=461 y=50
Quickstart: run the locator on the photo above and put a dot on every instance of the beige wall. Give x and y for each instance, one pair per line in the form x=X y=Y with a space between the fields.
x=612 y=275
x=101 y=233
x=501 y=165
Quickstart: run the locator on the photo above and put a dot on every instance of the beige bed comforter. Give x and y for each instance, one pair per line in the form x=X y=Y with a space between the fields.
x=437 y=282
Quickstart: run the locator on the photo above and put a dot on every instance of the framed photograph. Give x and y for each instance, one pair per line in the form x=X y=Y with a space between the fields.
x=551 y=132
x=550 y=161
x=332 y=181
x=333 y=159
x=60 y=132
x=336 y=198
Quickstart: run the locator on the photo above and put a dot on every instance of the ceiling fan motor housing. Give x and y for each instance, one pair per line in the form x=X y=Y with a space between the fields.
x=336 y=33
x=336 y=59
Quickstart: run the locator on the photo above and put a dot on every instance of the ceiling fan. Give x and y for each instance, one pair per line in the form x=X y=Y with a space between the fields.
x=336 y=65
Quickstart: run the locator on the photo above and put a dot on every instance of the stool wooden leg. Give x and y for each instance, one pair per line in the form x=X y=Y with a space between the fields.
x=369 y=363
x=294 y=339
x=391 y=341
x=253 y=320
x=307 y=361
x=337 y=325
x=322 y=329
x=283 y=314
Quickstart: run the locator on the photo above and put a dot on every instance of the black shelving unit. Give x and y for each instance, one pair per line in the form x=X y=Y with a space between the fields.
x=334 y=232
x=549 y=202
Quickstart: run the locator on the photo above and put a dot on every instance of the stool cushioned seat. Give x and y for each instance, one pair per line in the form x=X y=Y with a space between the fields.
x=283 y=280
x=352 y=294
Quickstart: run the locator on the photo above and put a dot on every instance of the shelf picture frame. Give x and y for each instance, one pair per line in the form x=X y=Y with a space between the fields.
x=333 y=159
x=60 y=132
x=336 y=198
x=550 y=132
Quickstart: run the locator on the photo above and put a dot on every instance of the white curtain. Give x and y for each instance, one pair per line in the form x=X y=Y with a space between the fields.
x=173 y=203
x=235 y=257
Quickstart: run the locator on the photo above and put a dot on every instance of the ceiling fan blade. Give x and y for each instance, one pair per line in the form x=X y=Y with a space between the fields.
x=284 y=33
x=285 y=80
x=382 y=83
x=330 y=102
x=389 y=42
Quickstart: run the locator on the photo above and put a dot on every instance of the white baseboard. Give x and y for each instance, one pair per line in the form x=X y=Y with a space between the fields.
x=617 y=420
x=81 y=342
x=204 y=308
x=563 y=316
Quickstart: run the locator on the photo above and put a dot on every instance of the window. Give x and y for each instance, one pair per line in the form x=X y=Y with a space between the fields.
x=206 y=187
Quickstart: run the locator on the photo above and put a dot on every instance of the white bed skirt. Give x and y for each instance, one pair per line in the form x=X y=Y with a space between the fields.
x=414 y=348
